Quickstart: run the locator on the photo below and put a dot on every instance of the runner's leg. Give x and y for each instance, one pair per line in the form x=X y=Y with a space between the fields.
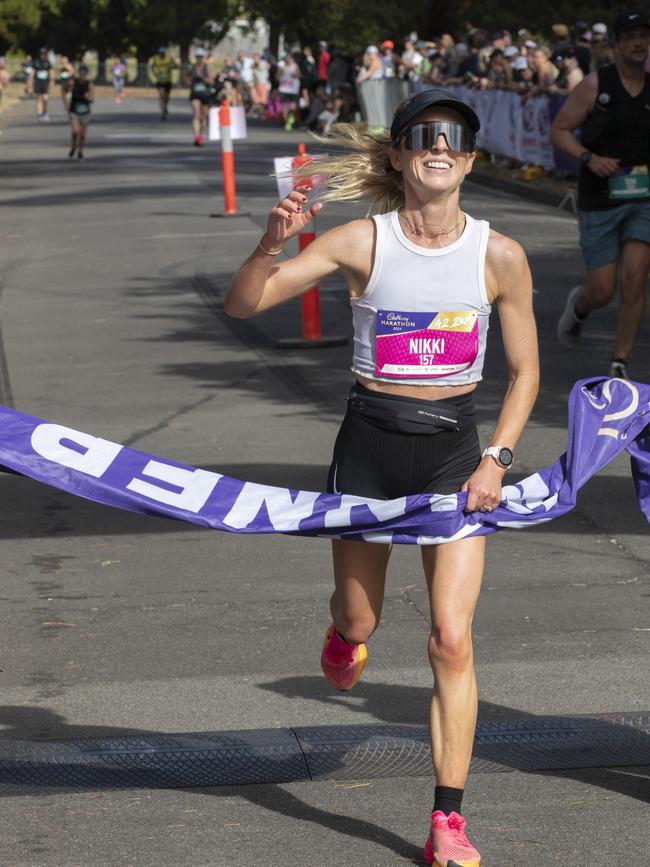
x=83 y=129
x=74 y=129
x=360 y=572
x=454 y=572
x=635 y=263
x=196 y=117
x=359 y=576
x=598 y=290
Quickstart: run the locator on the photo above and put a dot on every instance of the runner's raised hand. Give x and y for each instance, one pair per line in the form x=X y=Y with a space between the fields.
x=288 y=218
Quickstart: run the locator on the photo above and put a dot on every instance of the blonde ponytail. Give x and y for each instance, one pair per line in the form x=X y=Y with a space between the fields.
x=363 y=173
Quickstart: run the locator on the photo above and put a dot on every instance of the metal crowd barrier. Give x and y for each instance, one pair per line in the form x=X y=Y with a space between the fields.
x=379 y=99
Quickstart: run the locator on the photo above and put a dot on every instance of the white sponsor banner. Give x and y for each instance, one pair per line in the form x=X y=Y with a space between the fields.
x=237 y=123
x=283 y=175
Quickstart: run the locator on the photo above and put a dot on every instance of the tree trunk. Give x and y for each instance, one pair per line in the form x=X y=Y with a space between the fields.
x=274 y=37
x=142 y=79
x=101 y=66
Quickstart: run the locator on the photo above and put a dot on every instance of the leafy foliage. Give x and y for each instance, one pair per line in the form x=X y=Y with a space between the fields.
x=495 y=14
x=109 y=26
x=20 y=19
x=73 y=26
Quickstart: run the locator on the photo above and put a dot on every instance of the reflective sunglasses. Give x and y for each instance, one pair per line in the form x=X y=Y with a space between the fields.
x=423 y=136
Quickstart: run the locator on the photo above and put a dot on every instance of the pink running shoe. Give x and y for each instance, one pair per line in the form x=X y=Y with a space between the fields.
x=447 y=845
x=342 y=663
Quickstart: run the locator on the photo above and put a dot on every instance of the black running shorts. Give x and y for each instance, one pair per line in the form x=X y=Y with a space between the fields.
x=371 y=461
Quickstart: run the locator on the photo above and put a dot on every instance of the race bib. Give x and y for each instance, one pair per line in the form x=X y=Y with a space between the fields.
x=199 y=87
x=81 y=108
x=425 y=344
x=42 y=74
x=630 y=182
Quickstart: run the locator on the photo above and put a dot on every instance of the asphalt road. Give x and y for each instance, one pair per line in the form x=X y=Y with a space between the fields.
x=116 y=624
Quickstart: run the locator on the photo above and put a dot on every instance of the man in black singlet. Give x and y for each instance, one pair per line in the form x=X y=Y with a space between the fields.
x=612 y=108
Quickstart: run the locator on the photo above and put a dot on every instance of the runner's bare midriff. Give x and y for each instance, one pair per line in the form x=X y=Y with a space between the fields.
x=421 y=392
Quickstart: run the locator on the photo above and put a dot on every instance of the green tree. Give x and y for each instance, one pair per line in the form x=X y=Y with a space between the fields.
x=68 y=27
x=116 y=26
x=20 y=20
x=494 y=14
x=352 y=26
x=160 y=22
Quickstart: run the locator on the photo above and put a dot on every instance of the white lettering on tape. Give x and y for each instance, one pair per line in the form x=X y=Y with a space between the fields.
x=285 y=514
x=195 y=486
x=93 y=458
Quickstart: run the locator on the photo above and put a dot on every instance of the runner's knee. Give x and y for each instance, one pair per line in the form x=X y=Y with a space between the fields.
x=633 y=285
x=601 y=292
x=450 y=646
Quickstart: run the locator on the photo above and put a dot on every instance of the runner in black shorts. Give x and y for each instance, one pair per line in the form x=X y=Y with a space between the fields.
x=161 y=67
x=422 y=277
x=81 y=97
x=41 y=78
x=200 y=82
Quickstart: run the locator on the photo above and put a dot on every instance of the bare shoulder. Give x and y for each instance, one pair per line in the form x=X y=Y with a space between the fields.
x=506 y=266
x=350 y=243
x=503 y=252
x=355 y=232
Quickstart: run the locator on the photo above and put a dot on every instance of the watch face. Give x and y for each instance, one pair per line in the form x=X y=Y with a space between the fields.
x=506 y=457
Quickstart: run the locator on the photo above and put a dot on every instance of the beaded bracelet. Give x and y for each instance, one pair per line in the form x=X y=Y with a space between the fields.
x=269 y=252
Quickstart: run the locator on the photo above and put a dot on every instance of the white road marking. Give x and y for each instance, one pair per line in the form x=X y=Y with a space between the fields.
x=145 y=136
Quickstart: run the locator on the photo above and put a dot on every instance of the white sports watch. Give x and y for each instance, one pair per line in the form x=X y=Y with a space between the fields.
x=501 y=454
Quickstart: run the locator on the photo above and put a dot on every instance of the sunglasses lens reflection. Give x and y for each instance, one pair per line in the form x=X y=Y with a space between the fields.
x=423 y=136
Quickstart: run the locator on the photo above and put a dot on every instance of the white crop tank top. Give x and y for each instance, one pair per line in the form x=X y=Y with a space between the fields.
x=424 y=315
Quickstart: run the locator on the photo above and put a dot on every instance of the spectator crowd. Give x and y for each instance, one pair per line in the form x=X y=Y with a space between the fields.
x=310 y=89
x=307 y=88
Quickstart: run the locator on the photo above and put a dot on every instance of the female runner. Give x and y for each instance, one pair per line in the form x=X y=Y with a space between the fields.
x=81 y=98
x=66 y=75
x=118 y=76
x=200 y=82
x=422 y=276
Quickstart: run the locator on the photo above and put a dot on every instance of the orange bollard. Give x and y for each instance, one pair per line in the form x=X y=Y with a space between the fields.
x=227 y=160
x=310 y=300
x=228 y=165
